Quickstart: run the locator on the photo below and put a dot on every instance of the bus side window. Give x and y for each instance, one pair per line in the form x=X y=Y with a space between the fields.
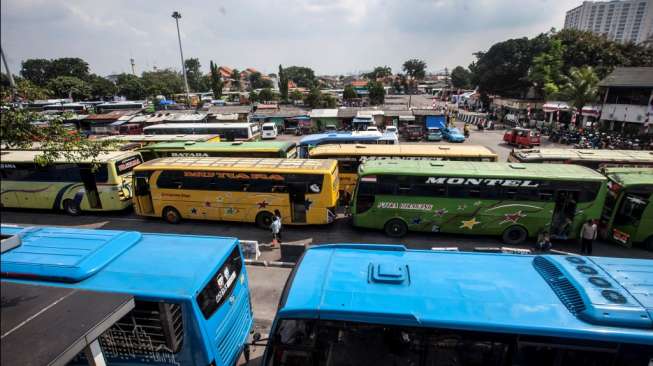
x=170 y=179
x=631 y=209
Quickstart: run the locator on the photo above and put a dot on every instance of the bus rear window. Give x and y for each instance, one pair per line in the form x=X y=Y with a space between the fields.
x=127 y=165
x=221 y=285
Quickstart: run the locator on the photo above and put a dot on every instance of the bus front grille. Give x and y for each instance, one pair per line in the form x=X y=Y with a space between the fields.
x=233 y=330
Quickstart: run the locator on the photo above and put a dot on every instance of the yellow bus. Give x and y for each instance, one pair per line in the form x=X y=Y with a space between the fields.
x=350 y=156
x=237 y=189
x=103 y=185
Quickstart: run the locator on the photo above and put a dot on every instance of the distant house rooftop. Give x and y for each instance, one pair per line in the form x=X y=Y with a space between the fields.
x=629 y=77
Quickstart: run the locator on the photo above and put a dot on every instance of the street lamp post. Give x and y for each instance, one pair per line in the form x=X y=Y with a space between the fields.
x=177 y=15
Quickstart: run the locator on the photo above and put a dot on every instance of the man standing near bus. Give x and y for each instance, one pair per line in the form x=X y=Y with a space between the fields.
x=587 y=236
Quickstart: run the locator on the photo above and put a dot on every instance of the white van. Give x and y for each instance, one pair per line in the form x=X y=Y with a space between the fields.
x=269 y=130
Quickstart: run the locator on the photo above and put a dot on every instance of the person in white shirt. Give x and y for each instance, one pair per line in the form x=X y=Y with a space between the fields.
x=588 y=234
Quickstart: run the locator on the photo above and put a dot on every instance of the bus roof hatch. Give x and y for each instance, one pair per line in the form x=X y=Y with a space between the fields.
x=63 y=255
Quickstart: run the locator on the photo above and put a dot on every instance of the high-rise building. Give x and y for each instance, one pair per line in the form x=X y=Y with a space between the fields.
x=621 y=21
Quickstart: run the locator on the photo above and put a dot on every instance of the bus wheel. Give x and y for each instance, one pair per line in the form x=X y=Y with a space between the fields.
x=514 y=235
x=171 y=215
x=395 y=228
x=264 y=220
x=71 y=207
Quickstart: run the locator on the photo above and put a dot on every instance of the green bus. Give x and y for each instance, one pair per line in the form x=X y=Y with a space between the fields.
x=627 y=217
x=516 y=201
x=246 y=149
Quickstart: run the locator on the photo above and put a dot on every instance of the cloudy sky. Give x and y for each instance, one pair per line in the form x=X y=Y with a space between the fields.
x=331 y=36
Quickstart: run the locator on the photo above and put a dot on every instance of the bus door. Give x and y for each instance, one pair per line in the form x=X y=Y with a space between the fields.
x=632 y=210
x=142 y=193
x=564 y=213
x=297 y=193
x=90 y=186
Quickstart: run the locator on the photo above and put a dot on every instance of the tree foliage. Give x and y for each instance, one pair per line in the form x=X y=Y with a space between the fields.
x=130 y=86
x=313 y=98
x=301 y=76
x=378 y=73
x=283 y=84
x=295 y=95
x=216 y=81
x=546 y=71
x=256 y=81
x=101 y=88
x=266 y=95
x=235 y=75
x=163 y=82
x=196 y=81
x=18 y=131
x=69 y=87
x=41 y=71
x=415 y=68
x=580 y=88
x=461 y=78
x=377 y=92
x=349 y=93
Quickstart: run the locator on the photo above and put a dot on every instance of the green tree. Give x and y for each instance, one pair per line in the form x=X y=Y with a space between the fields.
x=301 y=76
x=328 y=101
x=313 y=98
x=36 y=70
x=69 y=87
x=196 y=81
x=256 y=81
x=101 y=88
x=29 y=91
x=266 y=95
x=461 y=78
x=580 y=88
x=378 y=73
x=546 y=70
x=69 y=66
x=163 y=82
x=377 y=92
x=296 y=95
x=130 y=86
x=235 y=75
x=18 y=132
x=253 y=97
x=216 y=81
x=349 y=93
x=415 y=68
x=283 y=84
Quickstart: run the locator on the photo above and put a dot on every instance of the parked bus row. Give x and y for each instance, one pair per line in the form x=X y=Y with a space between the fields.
x=346 y=304
x=384 y=188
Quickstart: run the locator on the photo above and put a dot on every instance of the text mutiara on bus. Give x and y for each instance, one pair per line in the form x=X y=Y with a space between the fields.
x=483 y=182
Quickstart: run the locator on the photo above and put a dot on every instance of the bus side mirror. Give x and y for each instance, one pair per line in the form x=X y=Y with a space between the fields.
x=256 y=337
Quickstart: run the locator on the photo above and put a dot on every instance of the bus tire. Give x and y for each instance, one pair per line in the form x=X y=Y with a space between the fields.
x=71 y=207
x=514 y=235
x=395 y=228
x=171 y=215
x=264 y=220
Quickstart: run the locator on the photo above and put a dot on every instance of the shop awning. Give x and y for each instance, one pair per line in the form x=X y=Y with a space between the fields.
x=555 y=106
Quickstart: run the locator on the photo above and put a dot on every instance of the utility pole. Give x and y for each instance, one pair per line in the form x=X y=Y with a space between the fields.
x=131 y=60
x=11 y=77
x=177 y=16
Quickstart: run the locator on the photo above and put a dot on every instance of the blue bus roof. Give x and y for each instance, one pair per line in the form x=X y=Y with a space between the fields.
x=144 y=265
x=337 y=136
x=519 y=294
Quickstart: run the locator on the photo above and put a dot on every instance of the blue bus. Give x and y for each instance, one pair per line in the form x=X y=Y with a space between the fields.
x=192 y=300
x=363 y=137
x=349 y=304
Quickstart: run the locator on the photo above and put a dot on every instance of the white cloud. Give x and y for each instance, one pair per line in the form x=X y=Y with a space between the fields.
x=331 y=36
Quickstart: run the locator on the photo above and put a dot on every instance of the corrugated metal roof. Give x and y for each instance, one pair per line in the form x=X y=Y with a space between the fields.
x=629 y=76
x=324 y=113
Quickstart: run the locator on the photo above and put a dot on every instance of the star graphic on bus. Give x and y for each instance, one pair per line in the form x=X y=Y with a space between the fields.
x=477 y=203
x=307 y=204
x=461 y=207
x=469 y=224
x=262 y=204
x=207 y=204
x=193 y=211
x=416 y=221
x=513 y=217
x=440 y=212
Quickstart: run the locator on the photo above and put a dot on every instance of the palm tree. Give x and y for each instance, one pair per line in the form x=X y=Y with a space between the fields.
x=580 y=88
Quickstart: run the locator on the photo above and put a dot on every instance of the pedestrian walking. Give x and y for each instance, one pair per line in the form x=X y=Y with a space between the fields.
x=588 y=234
x=277 y=214
x=275 y=227
x=544 y=242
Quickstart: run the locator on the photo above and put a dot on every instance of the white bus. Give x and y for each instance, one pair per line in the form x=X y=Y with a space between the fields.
x=241 y=131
